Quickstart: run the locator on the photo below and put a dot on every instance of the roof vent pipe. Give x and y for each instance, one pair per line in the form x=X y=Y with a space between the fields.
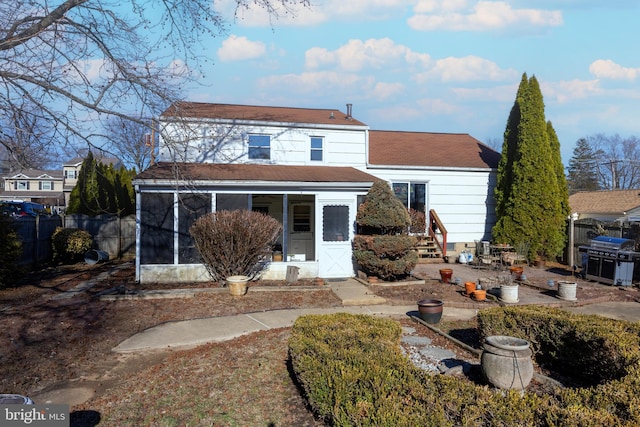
x=349 y=110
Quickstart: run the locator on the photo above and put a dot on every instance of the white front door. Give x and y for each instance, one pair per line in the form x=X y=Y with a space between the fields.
x=335 y=231
x=301 y=231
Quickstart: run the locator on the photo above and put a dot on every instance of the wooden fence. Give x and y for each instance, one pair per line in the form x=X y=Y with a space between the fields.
x=114 y=235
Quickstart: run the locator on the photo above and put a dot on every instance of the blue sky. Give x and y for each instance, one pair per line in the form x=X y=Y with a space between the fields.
x=437 y=65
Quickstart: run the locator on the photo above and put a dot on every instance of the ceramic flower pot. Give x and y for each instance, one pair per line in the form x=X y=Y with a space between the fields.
x=469 y=287
x=509 y=294
x=237 y=285
x=567 y=290
x=445 y=275
x=430 y=310
x=516 y=272
x=479 y=294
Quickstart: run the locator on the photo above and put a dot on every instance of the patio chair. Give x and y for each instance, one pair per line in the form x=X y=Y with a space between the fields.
x=522 y=253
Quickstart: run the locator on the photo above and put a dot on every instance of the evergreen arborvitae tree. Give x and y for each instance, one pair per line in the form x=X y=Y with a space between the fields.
x=383 y=248
x=531 y=198
x=582 y=168
x=102 y=190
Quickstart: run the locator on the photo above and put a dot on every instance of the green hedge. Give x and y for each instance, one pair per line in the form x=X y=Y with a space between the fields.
x=353 y=372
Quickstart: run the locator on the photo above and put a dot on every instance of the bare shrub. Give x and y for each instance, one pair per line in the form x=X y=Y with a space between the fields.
x=235 y=242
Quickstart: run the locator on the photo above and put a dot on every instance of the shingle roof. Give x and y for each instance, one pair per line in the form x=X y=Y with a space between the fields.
x=260 y=113
x=605 y=201
x=35 y=173
x=429 y=150
x=252 y=172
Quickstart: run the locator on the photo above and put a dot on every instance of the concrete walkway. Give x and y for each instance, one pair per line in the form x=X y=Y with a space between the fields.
x=356 y=299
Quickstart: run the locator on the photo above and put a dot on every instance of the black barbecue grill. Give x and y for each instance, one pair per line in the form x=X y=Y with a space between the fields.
x=610 y=260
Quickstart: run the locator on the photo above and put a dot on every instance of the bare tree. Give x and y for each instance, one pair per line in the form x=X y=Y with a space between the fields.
x=131 y=141
x=25 y=140
x=617 y=162
x=79 y=62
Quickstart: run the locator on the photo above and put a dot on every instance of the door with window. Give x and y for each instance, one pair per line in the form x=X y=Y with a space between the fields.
x=336 y=232
x=301 y=227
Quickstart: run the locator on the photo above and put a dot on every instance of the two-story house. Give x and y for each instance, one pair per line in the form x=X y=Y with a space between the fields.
x=308 y=168
x=34 y=185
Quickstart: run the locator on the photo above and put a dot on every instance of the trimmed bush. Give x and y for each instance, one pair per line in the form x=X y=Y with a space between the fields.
x=70 y=244
x=382 y=246
x=235 y=242
x=353 y=372
x=590 y=348
x=10 y=251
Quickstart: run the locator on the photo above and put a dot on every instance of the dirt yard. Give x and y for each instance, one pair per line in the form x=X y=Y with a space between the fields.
x=51 y=342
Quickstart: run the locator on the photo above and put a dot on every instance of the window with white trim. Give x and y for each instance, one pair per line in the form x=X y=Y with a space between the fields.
x=21 y=185
x=317 y=144
x=259 y=147
x=46 y=185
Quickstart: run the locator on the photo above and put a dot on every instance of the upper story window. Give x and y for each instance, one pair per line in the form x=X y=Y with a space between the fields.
x=70 y=173
x=316 y=148
x=46 y=185
x=21 y=185
x=259 y=147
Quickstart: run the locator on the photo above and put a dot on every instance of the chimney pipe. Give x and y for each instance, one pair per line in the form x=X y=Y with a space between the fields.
x=349 y=110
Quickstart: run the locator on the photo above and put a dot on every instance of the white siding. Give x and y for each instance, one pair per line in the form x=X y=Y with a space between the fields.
x=205 y=143
x=462 y=199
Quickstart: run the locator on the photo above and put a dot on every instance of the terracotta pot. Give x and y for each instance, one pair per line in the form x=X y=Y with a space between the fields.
x=469 y=287
x=318 y=281
x=517 y=272
x=430 y=310
x=445 y=275
x=372 y=279
x=479 y=294
x=277 y=256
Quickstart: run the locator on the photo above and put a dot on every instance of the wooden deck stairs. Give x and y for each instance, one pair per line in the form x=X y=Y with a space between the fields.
x=432 y=246
x=428 y=250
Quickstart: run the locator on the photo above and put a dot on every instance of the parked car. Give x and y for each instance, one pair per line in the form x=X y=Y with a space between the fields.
x=19 y=209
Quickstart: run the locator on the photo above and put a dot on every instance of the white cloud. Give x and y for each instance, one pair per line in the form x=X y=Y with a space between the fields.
x=357 y=55
x=382 y=91
x=314 y=82
x=313 y=14
x=432 y=15
x=607 y=69
x=237 y=48
x=465 y=69
x=569 y=90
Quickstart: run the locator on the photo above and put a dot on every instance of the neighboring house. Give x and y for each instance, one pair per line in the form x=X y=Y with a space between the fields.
x=607 y=205
x=308 y=168
x=50 y=188
x=32 y=185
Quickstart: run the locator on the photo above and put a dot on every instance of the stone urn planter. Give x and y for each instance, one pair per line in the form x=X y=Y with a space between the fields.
x=567 y=290
x=509 y=294
x=430 y=310
x=237 y=285
x=506 y=362
x=445 y=275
